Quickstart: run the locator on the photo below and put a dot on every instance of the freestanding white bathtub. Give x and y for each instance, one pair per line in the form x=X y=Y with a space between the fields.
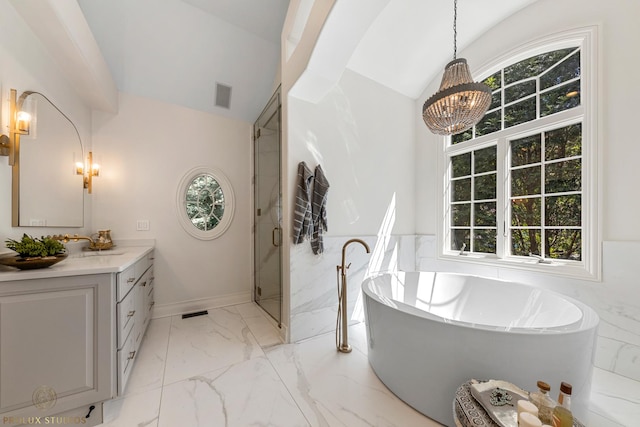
x=428 y=333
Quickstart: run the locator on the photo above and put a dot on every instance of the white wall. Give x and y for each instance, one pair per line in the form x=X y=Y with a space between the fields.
x=145 y=150
x=615 y=298
x=365 y=146
x=619 y=33
x=25 y=64
x=362 y=135
x=293 y=64
x=173 y=51
x=326 y=132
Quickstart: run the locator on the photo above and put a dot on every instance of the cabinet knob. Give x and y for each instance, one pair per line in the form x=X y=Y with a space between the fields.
x=132 y=354
x=131 y=313
x=131 y=279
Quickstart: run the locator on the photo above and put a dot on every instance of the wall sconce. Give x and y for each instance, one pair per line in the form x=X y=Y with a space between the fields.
x=19 y=123
x=92 y=170
x=23 y=122
x=6 y=148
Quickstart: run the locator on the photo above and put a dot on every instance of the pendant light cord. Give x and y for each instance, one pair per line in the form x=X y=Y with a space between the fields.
x=455 y=30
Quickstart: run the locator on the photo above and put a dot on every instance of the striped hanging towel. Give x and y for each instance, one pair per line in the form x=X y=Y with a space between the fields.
x=319 y=210
x=302 y=224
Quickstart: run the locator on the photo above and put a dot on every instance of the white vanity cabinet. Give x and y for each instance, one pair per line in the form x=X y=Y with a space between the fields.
x=145 y=299
x=56 y=339
x=70 y=334
x=134 y=304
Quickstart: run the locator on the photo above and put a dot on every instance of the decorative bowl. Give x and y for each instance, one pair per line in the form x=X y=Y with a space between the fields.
x=31 y=263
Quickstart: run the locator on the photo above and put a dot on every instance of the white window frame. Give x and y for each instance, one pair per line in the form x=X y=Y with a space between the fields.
x=181 y=203
x=589 y=267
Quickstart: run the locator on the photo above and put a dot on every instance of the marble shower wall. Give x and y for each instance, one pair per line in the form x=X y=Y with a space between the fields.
x=615 y=299
x=314 y=297
x=314 y=285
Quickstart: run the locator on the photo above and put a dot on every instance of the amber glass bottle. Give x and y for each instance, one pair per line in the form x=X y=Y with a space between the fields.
x=562 y=416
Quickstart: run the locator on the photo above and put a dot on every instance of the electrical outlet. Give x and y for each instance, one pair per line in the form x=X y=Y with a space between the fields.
x=142 y=225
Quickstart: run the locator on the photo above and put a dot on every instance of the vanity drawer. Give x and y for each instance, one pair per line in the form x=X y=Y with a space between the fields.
x=151 y=285
x=130 y=276
x=126 y=280
x=150 y=300
x=126 y=310
x=149 y=308
x=143 y=265
x=146 y=282
x=134 y=288
x=126 y=357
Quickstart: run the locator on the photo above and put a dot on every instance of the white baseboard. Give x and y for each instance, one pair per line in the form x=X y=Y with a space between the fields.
x=284 y=333
x=178 y=308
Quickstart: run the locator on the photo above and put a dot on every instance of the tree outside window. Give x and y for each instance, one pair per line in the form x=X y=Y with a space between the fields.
x=519 y=150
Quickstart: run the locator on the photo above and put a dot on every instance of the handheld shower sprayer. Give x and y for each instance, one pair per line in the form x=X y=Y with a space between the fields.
x=342 y=339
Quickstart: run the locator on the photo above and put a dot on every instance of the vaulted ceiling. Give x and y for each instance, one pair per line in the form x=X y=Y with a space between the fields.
x=411 y=40
x=178 y=50
x=401 y=44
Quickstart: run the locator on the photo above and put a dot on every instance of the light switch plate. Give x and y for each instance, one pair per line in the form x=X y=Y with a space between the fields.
x=142 y=225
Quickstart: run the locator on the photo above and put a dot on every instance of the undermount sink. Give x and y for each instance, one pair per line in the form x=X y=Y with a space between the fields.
x=109 y=252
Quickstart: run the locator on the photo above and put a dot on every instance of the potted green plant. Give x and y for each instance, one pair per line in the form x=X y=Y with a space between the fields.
x=34 y=252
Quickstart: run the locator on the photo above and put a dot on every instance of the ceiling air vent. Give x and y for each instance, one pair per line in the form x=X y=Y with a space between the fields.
x=223 y=96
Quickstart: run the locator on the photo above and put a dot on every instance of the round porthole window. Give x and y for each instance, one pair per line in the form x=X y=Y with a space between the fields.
x=205 y=203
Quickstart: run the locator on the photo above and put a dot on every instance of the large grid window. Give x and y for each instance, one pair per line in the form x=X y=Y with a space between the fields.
x=546 y=194
x=517 y=181
x=528 y=90
x=474 y=200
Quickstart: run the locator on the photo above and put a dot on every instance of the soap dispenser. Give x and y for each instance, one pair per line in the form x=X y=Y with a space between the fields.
x=101 y=241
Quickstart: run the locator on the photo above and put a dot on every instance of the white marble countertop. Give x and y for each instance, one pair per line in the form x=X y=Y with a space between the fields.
x=80 y=263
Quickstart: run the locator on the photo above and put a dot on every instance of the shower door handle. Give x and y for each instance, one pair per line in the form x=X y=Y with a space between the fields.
x=275 y=231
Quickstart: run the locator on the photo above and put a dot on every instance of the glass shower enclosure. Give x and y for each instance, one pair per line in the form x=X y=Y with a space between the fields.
x=268 y=210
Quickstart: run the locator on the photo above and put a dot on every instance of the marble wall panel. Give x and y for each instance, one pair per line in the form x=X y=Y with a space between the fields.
x=614 y=298
x=314 y=280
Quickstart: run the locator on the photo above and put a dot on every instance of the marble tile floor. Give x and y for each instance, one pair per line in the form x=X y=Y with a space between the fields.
x=230 y=368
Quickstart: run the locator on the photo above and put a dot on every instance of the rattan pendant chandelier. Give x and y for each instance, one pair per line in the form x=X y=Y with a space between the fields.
x=459 y=103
